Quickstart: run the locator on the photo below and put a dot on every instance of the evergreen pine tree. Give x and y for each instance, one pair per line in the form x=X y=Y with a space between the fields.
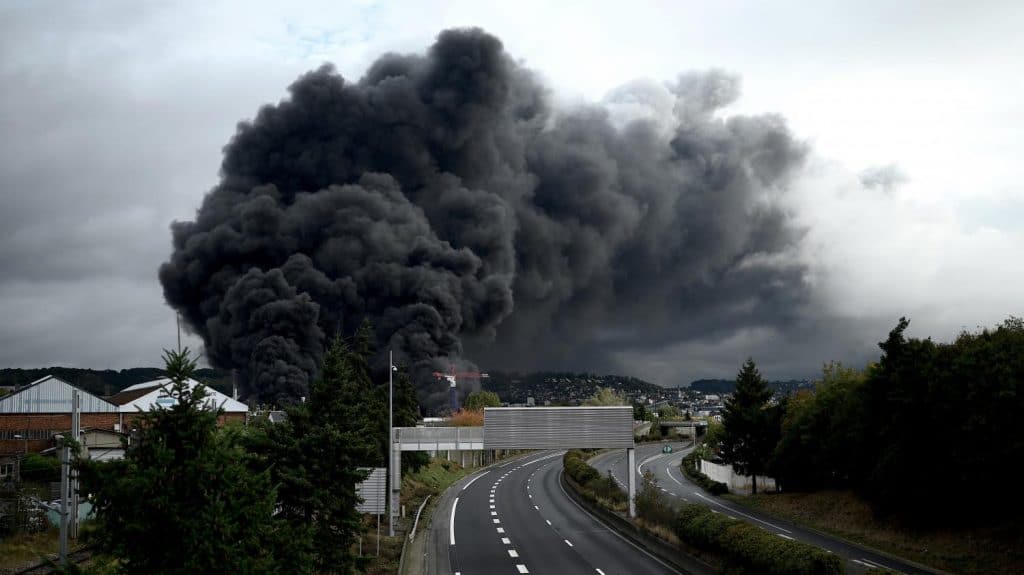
x=748 y=435
x=183 y=500
x=315 y=456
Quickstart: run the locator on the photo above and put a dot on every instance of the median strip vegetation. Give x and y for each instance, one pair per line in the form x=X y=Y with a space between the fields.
x=591 y=485
x=736 y=546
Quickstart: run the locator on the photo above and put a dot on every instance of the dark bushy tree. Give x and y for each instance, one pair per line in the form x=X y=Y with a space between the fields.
x=823 y=442
x=183 y=500
x=946 y=418
x=749 y=427
x=314 y=456
x=928 y=420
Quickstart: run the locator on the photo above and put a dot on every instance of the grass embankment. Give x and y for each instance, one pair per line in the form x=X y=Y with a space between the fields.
x=732 y=545
x=968 y=551
x=431 y=480
x=23 y=550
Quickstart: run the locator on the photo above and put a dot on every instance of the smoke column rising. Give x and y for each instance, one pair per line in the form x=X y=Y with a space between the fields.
x=444 y=198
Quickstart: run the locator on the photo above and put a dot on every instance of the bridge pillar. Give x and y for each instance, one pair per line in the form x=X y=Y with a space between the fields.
x=631 y=464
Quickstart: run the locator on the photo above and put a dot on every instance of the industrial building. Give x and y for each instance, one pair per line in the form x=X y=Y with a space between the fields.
x=32 y=415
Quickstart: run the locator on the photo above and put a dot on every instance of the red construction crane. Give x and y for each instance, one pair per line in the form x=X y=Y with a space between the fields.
x=451 y=377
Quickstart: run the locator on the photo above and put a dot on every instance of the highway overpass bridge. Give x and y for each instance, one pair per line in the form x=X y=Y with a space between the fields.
x=522 y=428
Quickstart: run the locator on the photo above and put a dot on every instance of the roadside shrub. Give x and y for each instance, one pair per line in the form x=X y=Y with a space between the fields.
x=600 y=490
x=749 y=548
x=690 y=469
x=651 y=504
x=576 y=466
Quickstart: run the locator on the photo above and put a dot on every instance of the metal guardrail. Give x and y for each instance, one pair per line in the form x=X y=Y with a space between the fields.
x=416 y=521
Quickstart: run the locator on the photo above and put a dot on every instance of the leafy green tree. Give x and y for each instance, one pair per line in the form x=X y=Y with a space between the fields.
x=480 y=399
x=823 y=442
x=713 y=436
x=640 y=412
x=184 y=500
x=40 y=468
x=945 y=418
x=670 y=412
x=749 y=439
x=606 y=396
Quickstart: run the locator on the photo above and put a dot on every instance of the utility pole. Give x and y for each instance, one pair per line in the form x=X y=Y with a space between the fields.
x=76 y=432
x=65 y=456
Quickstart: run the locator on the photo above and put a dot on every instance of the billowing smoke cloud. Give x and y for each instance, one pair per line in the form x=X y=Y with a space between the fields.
x=443 y=197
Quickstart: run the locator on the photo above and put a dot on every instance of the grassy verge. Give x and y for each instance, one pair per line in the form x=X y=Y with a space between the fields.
x=431 y=480
x=25 y=549
x=968 y=551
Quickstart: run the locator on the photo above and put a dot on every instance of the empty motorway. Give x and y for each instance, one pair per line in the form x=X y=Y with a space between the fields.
x=516 y=518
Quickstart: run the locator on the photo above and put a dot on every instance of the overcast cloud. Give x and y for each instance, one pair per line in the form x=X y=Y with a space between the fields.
x=113 y=117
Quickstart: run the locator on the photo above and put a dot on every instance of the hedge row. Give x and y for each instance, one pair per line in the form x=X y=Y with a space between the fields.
x=575 y=463
x=750 y=548
x=710 y=485
x=597 y=489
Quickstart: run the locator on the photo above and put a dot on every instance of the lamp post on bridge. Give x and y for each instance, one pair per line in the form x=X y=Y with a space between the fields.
x=391 y=445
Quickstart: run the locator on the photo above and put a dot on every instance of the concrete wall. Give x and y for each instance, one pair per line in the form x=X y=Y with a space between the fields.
x=737 y=483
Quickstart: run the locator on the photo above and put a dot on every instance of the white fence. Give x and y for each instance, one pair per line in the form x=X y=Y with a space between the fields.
x=737 y=483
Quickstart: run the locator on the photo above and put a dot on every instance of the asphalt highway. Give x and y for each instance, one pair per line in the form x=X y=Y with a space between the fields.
x=516 y=518
x=679 y=489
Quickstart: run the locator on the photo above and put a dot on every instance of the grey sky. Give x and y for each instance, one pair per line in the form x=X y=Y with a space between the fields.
x=113 y=117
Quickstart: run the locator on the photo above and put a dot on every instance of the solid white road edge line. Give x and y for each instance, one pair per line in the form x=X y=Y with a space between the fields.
x=451 y=526
x=474 y=479
x=772 y=525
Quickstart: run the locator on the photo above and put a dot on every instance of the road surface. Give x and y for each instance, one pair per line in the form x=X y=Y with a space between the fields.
x=516 y=518
x=679 y=489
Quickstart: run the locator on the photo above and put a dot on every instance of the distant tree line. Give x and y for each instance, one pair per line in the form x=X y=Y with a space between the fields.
x=103 y=382
x=931 y=430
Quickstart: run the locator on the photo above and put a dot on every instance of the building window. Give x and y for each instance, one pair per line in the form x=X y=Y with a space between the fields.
x=6 y=470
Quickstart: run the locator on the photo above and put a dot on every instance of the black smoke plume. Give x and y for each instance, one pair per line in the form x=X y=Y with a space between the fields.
x=443 y=197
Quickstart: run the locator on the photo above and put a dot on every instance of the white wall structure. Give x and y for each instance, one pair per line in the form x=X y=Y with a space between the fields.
x=737 y=483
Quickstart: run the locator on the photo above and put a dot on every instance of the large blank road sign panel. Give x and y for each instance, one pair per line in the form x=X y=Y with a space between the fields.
x=373 y=491
x=557 y=427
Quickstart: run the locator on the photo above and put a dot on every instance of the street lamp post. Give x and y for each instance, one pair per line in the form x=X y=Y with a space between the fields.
x=390 y=446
